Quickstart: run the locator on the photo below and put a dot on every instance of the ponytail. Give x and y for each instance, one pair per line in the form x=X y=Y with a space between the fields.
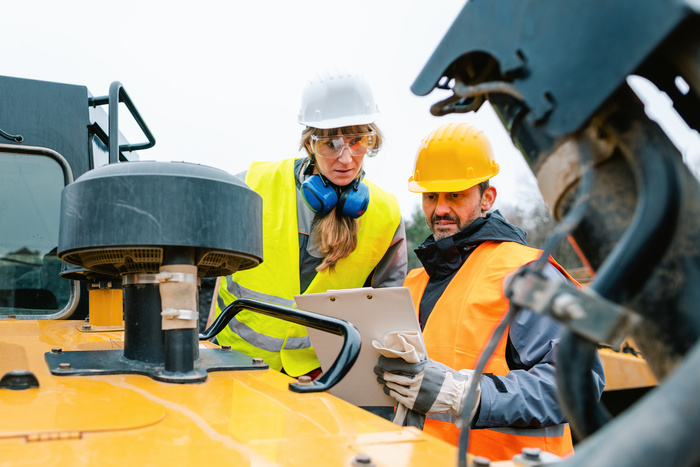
x=335 y=237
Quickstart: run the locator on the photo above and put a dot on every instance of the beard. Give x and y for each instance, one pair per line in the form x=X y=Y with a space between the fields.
x=440 y=233
x=443 y=232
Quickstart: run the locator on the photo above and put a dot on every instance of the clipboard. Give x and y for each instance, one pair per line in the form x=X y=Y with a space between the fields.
x=374 y=312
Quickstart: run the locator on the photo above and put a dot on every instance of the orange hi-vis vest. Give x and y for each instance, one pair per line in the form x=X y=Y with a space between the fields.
x=460 y=325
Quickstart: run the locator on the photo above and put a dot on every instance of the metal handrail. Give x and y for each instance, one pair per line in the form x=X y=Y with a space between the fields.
x=342 y=364
x=118 y=94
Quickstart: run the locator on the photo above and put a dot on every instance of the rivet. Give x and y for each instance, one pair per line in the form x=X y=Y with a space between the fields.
x=362 y=460
x=332 y=299
x=258 y=361
x=481 y=462
x=305 y=380
x=225 y=347
x=531 y=453
x=86 y=327
x=64 y=366
x=566 y=306
x=56 y=350
x=369 y=296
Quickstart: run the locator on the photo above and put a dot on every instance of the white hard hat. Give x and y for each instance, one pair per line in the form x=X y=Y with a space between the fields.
x=335 y=99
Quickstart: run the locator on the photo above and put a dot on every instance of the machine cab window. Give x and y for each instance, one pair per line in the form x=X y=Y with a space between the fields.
x=30 y=198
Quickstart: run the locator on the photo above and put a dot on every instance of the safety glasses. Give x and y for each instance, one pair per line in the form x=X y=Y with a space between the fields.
x=332 y=147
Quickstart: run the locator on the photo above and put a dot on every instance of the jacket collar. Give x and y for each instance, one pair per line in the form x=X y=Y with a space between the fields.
x=442 y=258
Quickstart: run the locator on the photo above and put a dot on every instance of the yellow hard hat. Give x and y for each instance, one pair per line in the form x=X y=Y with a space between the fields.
x=452 y=158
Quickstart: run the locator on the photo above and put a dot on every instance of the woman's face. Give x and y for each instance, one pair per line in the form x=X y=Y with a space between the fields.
x=341 y=171
x=340 y=165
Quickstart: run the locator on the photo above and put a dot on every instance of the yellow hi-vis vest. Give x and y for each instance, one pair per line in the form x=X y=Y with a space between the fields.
x=457 y=330
x=281 y=344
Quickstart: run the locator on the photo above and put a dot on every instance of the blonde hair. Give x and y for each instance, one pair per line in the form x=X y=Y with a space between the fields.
x=334 y=234
x=336 y=238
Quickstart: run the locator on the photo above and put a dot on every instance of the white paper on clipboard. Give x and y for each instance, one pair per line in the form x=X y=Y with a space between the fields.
x=374 y=312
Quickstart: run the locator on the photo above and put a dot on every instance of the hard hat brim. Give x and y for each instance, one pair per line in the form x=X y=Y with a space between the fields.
x=340 y=122
x=443 y=186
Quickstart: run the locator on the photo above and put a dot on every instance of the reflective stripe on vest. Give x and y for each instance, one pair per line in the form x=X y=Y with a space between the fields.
x=271 y=344
x=501 y=443
x=237 y=290
x=459 y=327
x=556 y=430
x=280 y=343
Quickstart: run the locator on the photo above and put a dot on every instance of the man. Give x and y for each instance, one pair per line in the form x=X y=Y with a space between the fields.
x=459 y=297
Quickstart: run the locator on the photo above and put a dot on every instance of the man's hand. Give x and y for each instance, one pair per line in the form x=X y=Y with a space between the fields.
x=426 y=387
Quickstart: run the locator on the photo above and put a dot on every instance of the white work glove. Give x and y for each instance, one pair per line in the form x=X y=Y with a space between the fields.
x=406 y=345
x=427 y=387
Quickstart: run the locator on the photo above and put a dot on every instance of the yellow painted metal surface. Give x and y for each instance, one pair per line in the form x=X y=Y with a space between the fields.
x=106 y=307
x=625 y=370
x=622 y=370
x=233 y=418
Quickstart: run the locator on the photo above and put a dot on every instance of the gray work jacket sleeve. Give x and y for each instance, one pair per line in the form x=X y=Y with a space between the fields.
x=392 y=268
x=527 y=395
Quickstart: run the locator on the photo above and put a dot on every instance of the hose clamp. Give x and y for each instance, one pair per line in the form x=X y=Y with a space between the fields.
x=172 y=313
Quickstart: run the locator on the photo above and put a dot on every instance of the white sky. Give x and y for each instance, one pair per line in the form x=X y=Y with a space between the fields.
x=219 y=83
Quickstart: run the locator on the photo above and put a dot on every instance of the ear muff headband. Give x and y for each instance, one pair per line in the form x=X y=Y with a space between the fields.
x=321 y=196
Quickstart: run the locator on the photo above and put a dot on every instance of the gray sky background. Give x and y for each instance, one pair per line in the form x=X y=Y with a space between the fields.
x=219 y=83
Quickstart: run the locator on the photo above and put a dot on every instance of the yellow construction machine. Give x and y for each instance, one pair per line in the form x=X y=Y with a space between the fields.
x=102 y=257
x=100 y=357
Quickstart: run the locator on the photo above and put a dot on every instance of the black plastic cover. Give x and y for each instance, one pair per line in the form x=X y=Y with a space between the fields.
x=568 y=56
x=119 y=211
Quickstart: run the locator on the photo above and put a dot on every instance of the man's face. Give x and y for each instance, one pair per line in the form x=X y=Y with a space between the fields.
x=449 y=213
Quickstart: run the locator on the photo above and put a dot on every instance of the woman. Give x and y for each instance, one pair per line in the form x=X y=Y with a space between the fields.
x=324 y=226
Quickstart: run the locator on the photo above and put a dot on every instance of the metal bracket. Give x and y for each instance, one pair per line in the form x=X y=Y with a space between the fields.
x=113 y=362
x=582 y=310
x=172 y=313
x=132 y=279
x=535 y=457
x=166 y=276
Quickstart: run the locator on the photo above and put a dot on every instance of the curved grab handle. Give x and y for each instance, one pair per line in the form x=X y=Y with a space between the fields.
x=118 y=94
x=342 y=364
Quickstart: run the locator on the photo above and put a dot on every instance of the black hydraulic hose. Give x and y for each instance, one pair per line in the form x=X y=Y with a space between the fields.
x=349 y=352
x=656 y=216
x=633 y=259
x=577 y=388
x=661 y=429
x=470 y=398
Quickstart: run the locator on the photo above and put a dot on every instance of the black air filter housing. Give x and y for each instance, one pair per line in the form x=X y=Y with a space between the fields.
x=117 y=219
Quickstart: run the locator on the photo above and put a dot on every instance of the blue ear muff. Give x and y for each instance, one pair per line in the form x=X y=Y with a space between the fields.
x=353 y=200
x=319 y=194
